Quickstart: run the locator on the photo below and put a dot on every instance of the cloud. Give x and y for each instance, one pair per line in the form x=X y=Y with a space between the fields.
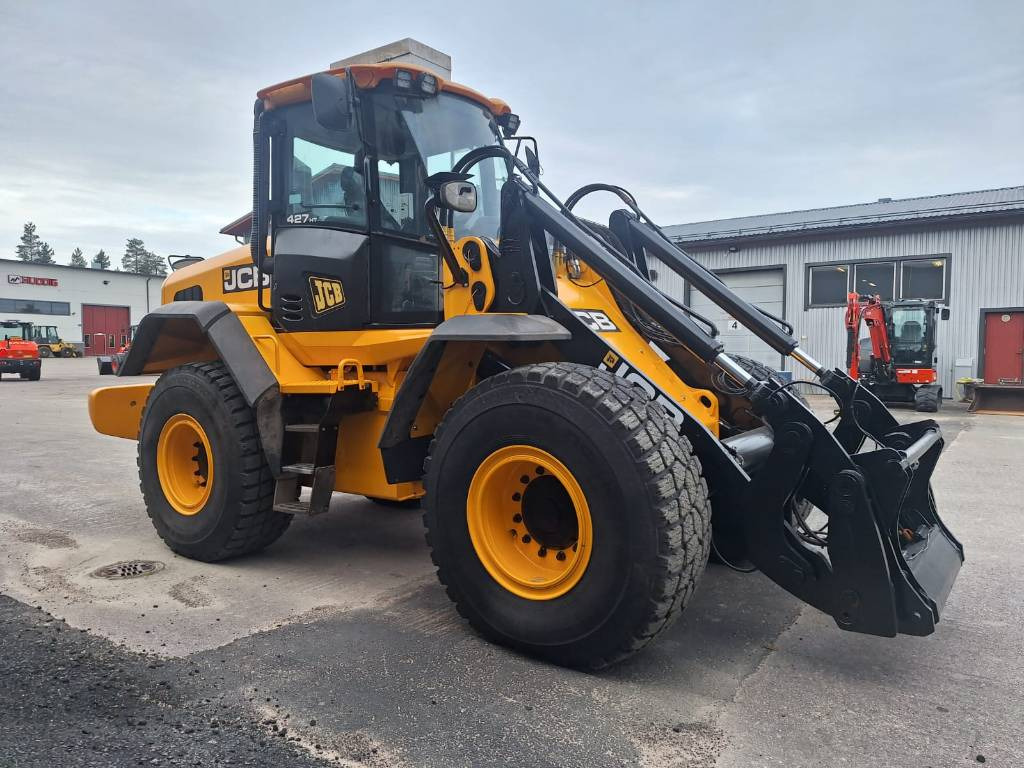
x=126 y=119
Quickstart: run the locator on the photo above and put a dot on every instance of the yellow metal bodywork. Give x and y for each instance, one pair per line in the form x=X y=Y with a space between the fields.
x=117 y=411
x=589 y=291
x=360 y=468
x=458 y=299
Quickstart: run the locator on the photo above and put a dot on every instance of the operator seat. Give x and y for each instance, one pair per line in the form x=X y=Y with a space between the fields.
x=911 y=332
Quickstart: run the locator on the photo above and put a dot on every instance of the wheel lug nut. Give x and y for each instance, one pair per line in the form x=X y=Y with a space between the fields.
x=513 y=532
x=517 y=496
x=524 y=479
x=527 y=538
x=542 y=552
x=540 y=470
x=560 y=556
x=517 y=518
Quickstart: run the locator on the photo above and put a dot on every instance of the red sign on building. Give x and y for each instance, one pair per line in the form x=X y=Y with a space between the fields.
x=27 y=280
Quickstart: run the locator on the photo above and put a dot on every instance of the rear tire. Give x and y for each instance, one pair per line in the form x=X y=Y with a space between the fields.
x=32 y=375
x=235 y=515
x=927 y=399
x=635 y=487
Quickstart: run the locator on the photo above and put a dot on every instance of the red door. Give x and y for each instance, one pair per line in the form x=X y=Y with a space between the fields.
x=1004 y=347
x=103 y=327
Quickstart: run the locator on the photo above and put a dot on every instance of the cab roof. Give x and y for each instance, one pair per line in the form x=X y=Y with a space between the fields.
x=368 y=76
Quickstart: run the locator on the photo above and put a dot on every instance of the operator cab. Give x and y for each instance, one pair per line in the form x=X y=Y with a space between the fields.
x=352 y=247
x=44 y=334
x=912 y=334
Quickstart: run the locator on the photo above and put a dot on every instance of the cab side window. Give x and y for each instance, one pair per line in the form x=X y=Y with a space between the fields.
x=320 y=179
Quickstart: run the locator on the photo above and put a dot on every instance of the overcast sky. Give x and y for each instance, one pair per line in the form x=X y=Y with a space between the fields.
x=133 y=119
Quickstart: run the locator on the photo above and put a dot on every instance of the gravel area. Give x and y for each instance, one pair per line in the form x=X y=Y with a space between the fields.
x=71 y=699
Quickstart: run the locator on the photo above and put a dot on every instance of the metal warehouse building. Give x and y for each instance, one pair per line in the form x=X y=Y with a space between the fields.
x=964 y=250
x=92 y=308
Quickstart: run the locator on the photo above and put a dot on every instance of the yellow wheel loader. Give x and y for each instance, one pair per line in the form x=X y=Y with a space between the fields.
x=418 y=317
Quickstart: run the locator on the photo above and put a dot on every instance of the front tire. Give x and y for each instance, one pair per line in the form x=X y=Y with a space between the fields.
x=566 y=515
x=45 y=351
x=205 y=480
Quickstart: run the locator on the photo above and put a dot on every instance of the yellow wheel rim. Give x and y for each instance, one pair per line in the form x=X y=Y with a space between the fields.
x=529 y=522
x=184 y=463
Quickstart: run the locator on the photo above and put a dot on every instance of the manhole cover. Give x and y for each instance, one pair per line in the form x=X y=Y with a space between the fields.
x=128 y=569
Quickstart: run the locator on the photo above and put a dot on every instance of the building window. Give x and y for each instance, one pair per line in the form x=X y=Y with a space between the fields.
x=923 y=279
x=828 y=285
x=914 y=277
x=31 y=307
x=875 y=278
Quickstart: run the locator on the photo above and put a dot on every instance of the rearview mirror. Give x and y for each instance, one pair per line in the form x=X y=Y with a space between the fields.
x=458 y=196
x=332 y=101
x=532 y=162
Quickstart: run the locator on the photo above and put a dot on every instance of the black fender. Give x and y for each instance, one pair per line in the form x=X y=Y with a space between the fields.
x=204 y=331
x=403 y=455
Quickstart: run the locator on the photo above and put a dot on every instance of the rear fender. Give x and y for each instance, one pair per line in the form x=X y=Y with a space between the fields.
x=203 y=331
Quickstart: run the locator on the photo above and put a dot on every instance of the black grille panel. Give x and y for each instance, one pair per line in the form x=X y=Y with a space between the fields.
x=292 y=307
x=192 y=293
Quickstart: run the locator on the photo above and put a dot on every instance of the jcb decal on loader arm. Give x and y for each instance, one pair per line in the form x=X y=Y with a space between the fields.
x=469 y=344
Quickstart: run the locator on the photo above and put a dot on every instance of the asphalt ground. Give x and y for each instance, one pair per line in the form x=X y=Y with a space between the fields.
x=341 y=634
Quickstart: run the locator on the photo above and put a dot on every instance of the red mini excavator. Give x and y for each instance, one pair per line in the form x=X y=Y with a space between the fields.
x=897 y=361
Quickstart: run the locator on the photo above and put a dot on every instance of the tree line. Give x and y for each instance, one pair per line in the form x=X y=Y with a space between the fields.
x=136 y=258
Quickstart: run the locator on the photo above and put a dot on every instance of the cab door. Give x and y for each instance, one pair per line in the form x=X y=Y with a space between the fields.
x=405 y=285
x=321 y=242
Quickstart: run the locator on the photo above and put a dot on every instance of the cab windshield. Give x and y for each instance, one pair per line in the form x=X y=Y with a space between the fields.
x=909 y=336
x=417 y=137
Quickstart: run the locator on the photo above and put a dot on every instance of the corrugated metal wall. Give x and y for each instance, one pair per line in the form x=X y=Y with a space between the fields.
x=987 y=270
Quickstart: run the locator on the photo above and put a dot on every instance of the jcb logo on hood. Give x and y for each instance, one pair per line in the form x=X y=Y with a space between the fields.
x=242 y=278
x=327 y=294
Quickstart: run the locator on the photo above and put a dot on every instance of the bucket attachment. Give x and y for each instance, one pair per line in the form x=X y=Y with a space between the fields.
x=885 y=563
x=998 y=398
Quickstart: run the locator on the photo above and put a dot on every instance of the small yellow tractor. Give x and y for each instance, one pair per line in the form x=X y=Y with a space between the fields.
x=419 y=319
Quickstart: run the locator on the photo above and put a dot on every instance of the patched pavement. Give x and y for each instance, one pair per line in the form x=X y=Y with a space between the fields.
x=341 y=631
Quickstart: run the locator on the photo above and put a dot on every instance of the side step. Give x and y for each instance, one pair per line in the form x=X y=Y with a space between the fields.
x=310 y=445
x=286 y=492
x=311 y=448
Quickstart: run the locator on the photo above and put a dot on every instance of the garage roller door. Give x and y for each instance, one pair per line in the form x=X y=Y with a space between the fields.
x=763 y=287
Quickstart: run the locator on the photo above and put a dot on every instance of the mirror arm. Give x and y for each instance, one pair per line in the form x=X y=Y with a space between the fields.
x=459 y=275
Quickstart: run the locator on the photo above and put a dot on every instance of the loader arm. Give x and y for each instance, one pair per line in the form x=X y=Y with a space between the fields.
x=888 y=562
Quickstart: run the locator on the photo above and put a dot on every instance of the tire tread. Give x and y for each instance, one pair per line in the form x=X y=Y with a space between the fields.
x=672 y=475
x=257 y=525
